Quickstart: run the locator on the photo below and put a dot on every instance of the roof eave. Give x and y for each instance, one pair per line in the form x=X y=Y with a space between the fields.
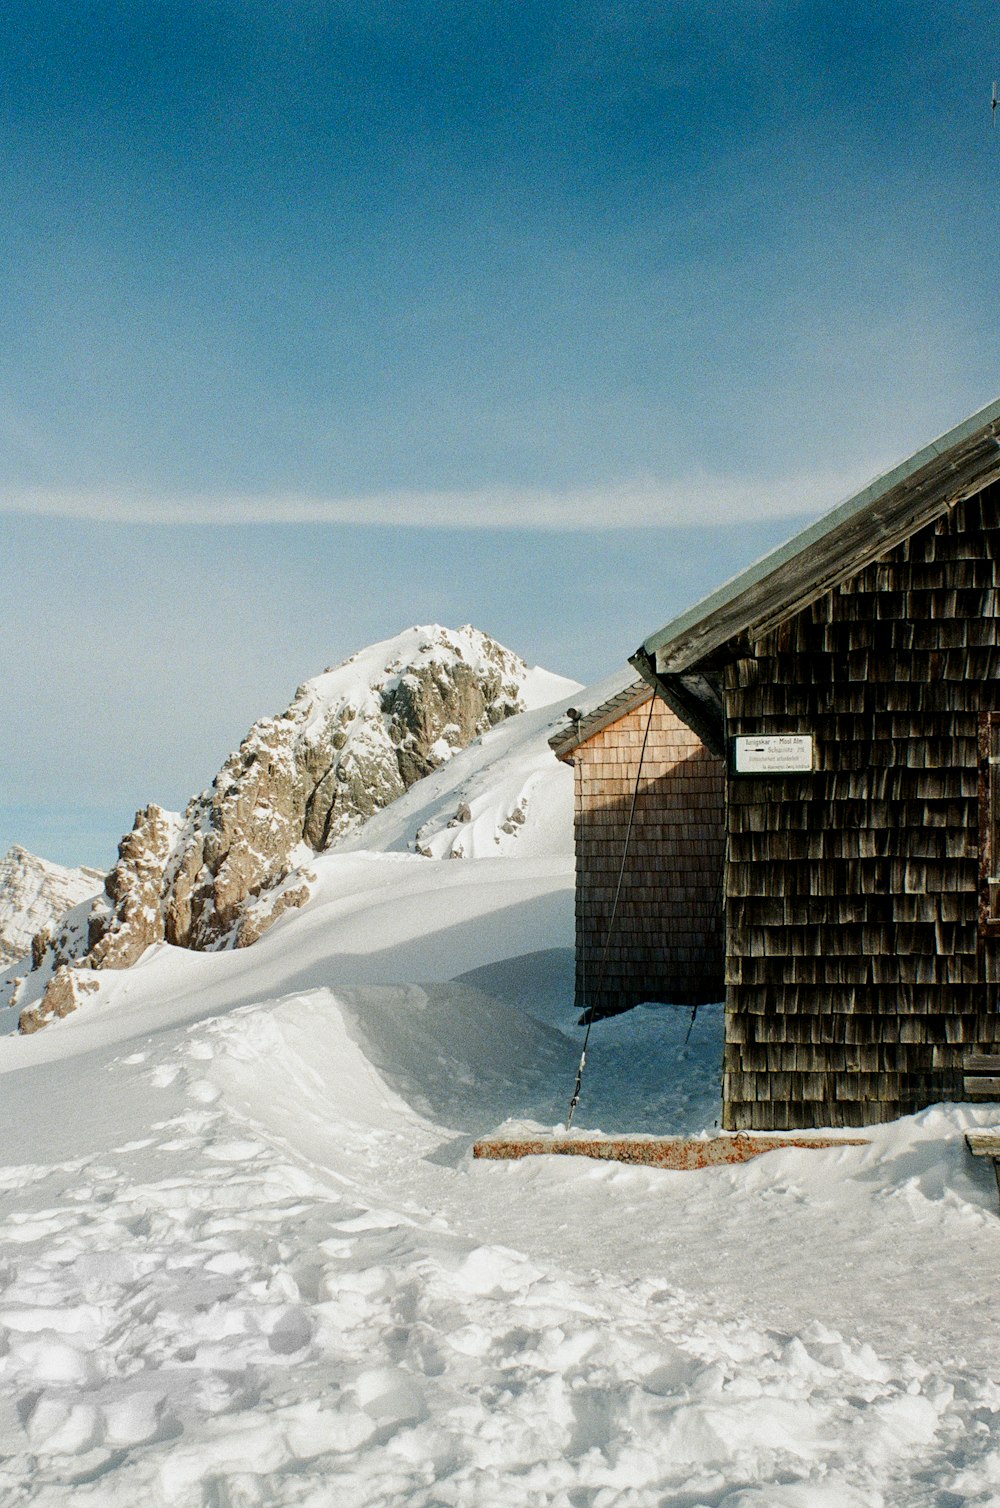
x=568 y=739
x=838 y=545
x=695 y=698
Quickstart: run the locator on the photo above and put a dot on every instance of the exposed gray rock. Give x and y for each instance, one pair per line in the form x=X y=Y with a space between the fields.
x=67 y=987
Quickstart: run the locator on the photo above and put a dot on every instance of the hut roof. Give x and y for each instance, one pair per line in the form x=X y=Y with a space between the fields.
x=597 y=708
x=679 y=659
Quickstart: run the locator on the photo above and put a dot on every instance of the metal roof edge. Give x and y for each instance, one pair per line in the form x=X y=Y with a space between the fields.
x=768 y=564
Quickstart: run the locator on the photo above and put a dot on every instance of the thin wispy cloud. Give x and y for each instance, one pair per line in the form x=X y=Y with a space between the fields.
x=697 y=499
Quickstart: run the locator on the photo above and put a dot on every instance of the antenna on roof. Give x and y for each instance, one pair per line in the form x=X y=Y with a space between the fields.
x=995 y=102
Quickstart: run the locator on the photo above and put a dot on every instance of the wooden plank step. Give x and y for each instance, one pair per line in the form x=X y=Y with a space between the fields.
x=982 y=1062
x=679 y=1153
x=988 y=1088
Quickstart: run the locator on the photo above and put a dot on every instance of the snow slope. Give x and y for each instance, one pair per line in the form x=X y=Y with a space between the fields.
x=247 y=1260
x=505 y=794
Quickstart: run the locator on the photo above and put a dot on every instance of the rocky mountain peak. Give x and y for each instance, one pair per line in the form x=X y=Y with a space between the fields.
x=351 y=741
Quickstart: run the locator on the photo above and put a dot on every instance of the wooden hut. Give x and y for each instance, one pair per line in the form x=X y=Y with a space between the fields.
x=665 y=942
x=851 y=680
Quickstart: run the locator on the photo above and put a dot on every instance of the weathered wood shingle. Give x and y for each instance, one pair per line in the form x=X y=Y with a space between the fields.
x=858 y=977
x=667 y=940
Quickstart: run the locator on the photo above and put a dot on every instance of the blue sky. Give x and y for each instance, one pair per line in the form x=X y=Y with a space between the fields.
x=321 y=319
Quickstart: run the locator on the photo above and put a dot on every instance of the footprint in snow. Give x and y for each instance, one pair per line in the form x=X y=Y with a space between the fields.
x=226 y=1392
x=391 y=1396
x=291 y=1332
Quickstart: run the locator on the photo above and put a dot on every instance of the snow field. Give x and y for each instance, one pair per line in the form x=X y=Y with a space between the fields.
x=289 y=1291
x=372 y=918
x=247 y=1261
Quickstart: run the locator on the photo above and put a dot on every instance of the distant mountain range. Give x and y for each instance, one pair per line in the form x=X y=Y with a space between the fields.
x=34 y=894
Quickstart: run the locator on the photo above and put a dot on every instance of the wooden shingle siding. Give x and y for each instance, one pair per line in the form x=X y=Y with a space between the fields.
x=667 y=942
x=858 y=976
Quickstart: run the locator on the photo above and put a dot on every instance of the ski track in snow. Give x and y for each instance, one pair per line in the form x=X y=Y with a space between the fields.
x=296 y=1307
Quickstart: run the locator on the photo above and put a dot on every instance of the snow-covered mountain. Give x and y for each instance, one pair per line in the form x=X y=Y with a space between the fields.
x=350 y=744
x=34 y=895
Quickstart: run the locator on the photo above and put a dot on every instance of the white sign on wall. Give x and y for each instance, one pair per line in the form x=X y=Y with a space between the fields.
x=775 y=754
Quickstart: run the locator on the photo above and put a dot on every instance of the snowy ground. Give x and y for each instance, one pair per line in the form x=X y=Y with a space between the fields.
x=247 y=1259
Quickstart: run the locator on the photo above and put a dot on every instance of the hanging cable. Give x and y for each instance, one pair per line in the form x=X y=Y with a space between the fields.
x=714 y=918
x=575 y=1097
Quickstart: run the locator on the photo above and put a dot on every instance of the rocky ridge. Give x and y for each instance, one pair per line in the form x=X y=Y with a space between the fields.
x=352 y=740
